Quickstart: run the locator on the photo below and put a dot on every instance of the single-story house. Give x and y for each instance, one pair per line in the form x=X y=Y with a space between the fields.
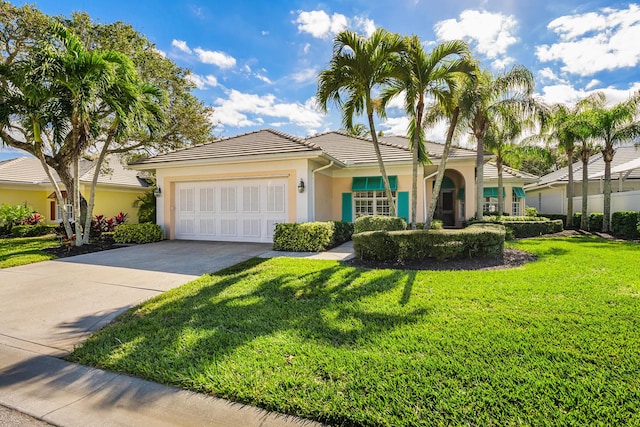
x=549 y=194
x=24 y=181
x=238 y=188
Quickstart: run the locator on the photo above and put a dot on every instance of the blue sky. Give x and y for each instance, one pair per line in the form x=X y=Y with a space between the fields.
x=256 y=62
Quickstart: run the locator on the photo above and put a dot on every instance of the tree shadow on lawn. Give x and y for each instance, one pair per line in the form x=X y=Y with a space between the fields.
x=191 y=333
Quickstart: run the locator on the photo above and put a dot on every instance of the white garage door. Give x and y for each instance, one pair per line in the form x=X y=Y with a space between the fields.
x=235 y=211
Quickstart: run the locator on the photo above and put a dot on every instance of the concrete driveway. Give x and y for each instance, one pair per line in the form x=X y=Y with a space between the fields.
x=51 y=307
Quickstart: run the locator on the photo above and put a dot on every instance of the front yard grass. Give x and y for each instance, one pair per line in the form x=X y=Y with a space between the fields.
x=27 y=250
x=555 y=342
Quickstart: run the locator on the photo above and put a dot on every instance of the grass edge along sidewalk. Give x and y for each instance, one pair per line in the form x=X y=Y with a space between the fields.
x=552 y=342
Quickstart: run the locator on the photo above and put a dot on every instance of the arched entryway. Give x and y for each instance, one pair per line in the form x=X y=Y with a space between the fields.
x=450 y=208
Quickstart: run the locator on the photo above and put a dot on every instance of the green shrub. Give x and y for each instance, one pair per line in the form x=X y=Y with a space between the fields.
x=311 y=236
x=577 y=220
x=137 y=233
x=32 y=230
x=11 y=215
x=556 y=216
x=411 y=245
x=595 y=221
x=436 y=224
x=379 y=223
x=530 y=211
x=625 y=224
x=523 y=229
x=497 y=219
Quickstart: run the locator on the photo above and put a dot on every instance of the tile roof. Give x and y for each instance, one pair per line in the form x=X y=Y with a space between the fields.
x=265 y=141
x=491 y=173
x=595 y=166
x=28 y=170
x=434 y=149
x=355 y=150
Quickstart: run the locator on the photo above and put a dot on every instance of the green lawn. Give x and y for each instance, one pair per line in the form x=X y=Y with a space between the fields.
x=556 y=342
x=26 y=250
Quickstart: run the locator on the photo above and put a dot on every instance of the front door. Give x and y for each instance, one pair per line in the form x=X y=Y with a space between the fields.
x=446 y=208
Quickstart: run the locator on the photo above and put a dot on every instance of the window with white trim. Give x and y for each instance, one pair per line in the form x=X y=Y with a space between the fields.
x=59 y=211
x=490 y=205
x=516 y=205
x=372 y=202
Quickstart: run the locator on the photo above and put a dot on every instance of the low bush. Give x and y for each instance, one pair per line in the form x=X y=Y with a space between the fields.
x=137 y=233
x=311 y=236
x=436 y=224
x=531 y=211
x=379 y=223
x=32 y=230
x=498 y=219
x=577 y=220
x=555 y=216
x=595 y=221
x=411 y=245
x=11 y=215
x=625 y=224
x=523 y=229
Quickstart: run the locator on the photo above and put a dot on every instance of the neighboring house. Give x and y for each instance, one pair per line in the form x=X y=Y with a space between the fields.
x=24 y=181
x=238 y=188
x=549 y=194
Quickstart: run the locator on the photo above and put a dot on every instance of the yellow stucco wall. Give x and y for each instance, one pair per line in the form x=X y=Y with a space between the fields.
x=324 y=198
x=110 y=203
x=36 y=199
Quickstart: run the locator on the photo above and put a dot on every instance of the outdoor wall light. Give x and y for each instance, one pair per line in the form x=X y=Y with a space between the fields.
x=157 y=192
x=301 y=186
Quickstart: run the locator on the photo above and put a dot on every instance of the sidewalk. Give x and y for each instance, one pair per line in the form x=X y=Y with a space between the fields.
x=66 y=394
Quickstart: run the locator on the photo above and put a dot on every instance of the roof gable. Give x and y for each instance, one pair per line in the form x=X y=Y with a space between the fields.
x=260 y=142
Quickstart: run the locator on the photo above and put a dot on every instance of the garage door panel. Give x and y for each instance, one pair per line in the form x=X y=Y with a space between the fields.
x=244 y=210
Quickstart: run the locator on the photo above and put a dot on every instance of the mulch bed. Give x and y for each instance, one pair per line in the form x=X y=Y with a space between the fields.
x=64 y=251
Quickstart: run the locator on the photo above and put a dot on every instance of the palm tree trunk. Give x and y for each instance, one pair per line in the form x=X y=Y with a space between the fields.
x=500 y=187
x=608 y=158
x=584 y=154
x=441 y=169
x=383 y=172
x=415 y=151
x=570 y=189
x=76 y=203
x=479 y=178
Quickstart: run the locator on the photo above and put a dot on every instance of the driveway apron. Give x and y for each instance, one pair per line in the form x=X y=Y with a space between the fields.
x=53 y=306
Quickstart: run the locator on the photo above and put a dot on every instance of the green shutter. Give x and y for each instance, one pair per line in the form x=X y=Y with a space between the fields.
x=461 y=194
x=373 y=183
x=519 y=192
x=347 y=207
x=447 y=183
x=493 y=192
x=403 y=205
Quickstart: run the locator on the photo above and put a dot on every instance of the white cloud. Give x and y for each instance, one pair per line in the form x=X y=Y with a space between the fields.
x=492 y=33
x=246 y=69
x=548 y=75
x=215 y=57
x=366 y=25
x=306 y=47
x=395 y=125
x=263 y=78
x=305 y=75
x=594 y=42
x=593 y=83
x=567 y=94
x=181 y=45
x=321 y=25
x=160 y=52
x=202 y=82
x=245 y=109
x=264 y=33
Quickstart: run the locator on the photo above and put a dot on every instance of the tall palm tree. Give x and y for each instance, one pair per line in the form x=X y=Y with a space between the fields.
x=500 y=140
x=424 y=76
x=480 y=102
x=357 y=67
x=612 y=126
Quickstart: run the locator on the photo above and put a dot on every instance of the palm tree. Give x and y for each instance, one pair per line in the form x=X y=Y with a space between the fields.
x=421 y=76
x=480 y=102
x=612 y=126
x=499 y=140
x=357 y=67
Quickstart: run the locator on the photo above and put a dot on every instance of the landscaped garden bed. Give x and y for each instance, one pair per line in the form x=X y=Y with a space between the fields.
x=552 y=342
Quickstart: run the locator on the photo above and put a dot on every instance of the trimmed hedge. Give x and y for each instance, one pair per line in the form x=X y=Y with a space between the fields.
x=138 y=233
x=311 y=236
x=411 y=245
x=379 y=223
x=555 y=216
x=436 y=224
x=533 y=228
x=595 y=221
x=32 y=230
x=625 y=224
x=498 y=219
